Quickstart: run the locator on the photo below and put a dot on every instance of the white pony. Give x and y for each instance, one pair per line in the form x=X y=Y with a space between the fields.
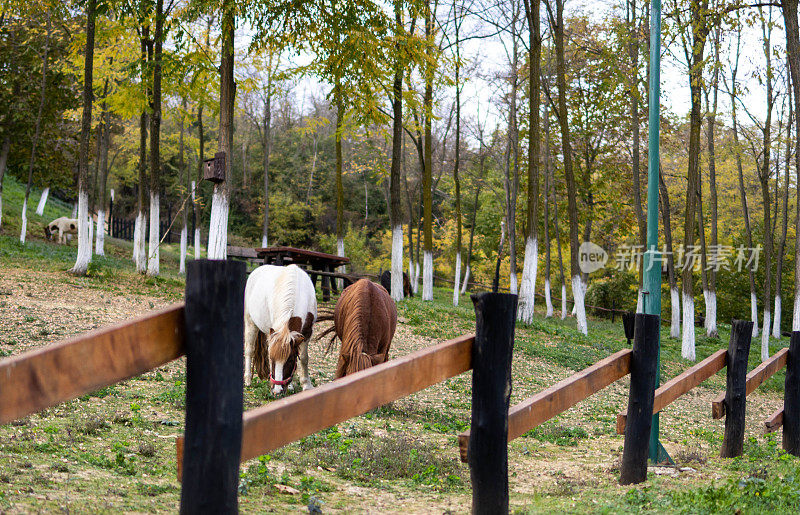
x=280 y=302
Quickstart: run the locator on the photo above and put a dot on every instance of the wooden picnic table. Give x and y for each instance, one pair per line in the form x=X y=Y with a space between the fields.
x=316 y=264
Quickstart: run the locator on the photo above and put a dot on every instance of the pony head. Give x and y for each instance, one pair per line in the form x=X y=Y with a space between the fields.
x=284 y=347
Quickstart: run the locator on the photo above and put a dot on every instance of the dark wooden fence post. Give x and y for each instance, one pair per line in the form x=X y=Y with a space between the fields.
x=495 y=315
x=791 y=398
x=214 y=389
x=736 y=388
x=628 y=321
x=640 y=400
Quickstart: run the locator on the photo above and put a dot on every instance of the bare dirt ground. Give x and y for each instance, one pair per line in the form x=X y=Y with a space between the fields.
x=114 y=450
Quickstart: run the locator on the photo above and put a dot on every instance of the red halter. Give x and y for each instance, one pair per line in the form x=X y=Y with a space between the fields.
x=280 y=383
x=286 y=381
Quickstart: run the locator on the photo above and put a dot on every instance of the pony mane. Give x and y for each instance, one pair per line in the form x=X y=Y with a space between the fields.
x=284 y=297
x=281 y=343
x=358 y=306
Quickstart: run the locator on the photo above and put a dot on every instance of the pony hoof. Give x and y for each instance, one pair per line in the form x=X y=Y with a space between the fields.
x=307 y=386
x=291 y=388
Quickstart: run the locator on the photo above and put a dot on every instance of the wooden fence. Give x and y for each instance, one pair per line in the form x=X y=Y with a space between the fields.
x=208 y=329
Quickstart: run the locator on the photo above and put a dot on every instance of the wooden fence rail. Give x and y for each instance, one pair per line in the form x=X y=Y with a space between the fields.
x=289 y=419
x=47 y=376
x=681 y=384
x=560 y=397
x=755 y=378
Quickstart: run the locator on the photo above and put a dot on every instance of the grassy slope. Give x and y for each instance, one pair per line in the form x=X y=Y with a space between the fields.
x=113 y=450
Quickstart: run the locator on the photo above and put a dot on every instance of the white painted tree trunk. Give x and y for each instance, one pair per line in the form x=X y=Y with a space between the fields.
x=427 y=275
x=264 y=242
x=796 y=312
x=547 y=300
x=563 y=301
x=465 y=282
x=342 y=269
x=91 y=237
x=136 y=225
x=711 y=313
x=687 y=343
x=140 y=244
x=411 y=274
x=100 y=238
x=754 y=313
x=218 y=225
x=84 y=243
x=197 y=243
x=776 y=324
x=397 y=263
x=24 y=228
x=153 y=244
x=42 y=201
x=765 y=335
x=197 y=228
x=527 y=296
x=457 y=280
x=580 y=308
x=640 y=301
x=184 y=245
x=415 y=281
x=75 y=210
x=675 y=308
x=512 y=284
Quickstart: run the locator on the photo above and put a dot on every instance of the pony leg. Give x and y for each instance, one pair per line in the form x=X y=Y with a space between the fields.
x=250 y=337
x=304 y=379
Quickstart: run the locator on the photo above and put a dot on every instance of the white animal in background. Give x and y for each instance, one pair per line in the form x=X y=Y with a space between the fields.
x=281 y=303
x=65 y=227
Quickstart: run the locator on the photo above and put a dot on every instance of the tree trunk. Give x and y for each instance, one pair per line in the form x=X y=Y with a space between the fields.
x=674 y=295
x=547 y=185
x=742 y=193
x=101 y=210
x=711 y=291
x=155 y=148
x=456 y=180
x=793 y=56
x=572 y=207
x=267 y=145
x=776 y=325
x=84 y=243
x=699 y=35
x=764 y=176
x=527 y=298
x=395 y=213
x=36 y=132
x=512 y=172
x=139 y=251
x=218 y=227
x=339 y=187
x=3 y=161
x=184 y=179
x=427 y=267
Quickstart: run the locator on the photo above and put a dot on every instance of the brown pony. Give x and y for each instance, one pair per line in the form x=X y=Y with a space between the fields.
x=364 y=320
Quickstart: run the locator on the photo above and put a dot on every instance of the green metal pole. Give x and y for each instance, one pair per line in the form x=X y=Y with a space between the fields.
x=652 y=290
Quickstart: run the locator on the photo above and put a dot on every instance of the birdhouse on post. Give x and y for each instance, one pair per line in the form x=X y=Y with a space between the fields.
x=214 y=169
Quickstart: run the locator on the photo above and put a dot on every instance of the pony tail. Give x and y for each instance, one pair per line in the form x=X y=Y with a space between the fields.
x=358 y=363
x=329 y=331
